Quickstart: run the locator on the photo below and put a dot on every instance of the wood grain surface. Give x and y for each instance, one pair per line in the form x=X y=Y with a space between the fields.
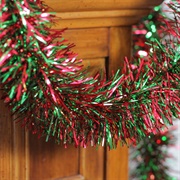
x=89 y=43
x=91 y=5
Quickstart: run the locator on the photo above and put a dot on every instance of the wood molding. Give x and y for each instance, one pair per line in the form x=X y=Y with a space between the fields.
x=103 y=13
x=120 y=47
x=96 y=22
x=94 y=5
x=91 y=19
x=76 y=177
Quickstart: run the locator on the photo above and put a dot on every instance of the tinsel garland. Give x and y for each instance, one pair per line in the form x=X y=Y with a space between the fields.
x=151 y=154
x=150 y=157
x=47 y=90
x=146 y=32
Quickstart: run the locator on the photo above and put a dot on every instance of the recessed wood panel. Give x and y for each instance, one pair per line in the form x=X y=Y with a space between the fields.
x=94 y=66
x=48 y=161
x=89 y=43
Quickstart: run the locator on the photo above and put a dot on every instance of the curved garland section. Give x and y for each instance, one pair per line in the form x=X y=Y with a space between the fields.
x=45 y=86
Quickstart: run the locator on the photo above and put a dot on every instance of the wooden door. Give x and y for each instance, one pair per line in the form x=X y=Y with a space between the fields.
x=102 y=34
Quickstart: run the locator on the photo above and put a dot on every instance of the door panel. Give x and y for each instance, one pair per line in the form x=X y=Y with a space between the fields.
x=29 y=158
x=95 y=65
x=48 y=160
x=89 y=43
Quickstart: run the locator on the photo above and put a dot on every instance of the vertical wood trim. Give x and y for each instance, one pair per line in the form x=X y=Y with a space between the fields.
x=5 y=143
x=119 y=47
x=92 y=163
x=27 y=155
x=91 y=160
x=18 y=155
x=117 y=164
